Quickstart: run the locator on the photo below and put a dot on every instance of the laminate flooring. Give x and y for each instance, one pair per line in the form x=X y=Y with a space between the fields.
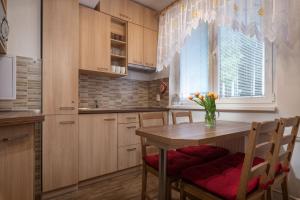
x=124 y=187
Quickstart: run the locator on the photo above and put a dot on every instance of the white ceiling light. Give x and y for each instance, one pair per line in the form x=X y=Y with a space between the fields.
x=89 y=3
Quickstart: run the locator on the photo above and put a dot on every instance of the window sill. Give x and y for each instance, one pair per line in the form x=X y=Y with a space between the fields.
x=231 y=107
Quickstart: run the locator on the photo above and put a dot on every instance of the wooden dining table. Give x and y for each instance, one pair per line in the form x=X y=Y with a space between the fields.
x=191 y=134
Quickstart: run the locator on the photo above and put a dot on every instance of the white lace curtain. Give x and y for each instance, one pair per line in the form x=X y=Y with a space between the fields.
x=265 y=19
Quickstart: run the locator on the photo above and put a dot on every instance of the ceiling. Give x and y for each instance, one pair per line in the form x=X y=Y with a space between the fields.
x=155 y=4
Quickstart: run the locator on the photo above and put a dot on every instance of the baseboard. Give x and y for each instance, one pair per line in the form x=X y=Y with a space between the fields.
x=59 y=192
x=278 y=193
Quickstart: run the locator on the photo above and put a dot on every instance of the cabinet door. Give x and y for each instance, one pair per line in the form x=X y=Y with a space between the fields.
x=136 y=13
x=150 y=19
x=150 y=47
x=94 y=40
x=129 y=156
x=60 y=152
x=126 y=134
x=116 y=8
x=97 y=145
x=135 y=44
x=17 y=163
x=60 y=56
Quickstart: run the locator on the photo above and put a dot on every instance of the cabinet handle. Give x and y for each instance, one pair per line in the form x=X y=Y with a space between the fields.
x=132 y=149
x=67 y=108
x=14 y=138
x=67 y=122
x=130 y=118
x=131 y=127
x=110 y=119
x=102 y=68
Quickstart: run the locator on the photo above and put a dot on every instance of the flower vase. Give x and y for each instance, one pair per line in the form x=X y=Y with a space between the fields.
x=210 y=119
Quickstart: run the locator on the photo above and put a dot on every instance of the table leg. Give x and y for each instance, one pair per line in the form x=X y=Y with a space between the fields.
x=162 y=194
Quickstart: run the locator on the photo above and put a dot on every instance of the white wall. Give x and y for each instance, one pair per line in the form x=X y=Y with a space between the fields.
x=24 y=17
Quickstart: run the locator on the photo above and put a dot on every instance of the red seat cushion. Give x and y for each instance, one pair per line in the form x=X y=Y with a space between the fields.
x=221 y=177
x=176 y=162
x=206 y=152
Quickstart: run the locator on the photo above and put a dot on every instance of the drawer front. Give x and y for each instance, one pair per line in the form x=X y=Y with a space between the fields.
x=129 y=156
x=124 y=118
x=126 y=134
x=15 y=133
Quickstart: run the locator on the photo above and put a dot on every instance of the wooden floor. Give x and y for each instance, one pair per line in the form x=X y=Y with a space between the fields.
x=123 y=187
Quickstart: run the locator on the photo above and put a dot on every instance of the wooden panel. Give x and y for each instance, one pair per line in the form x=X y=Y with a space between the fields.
x=94 y=40
x=129 y=156
x=136 y=13
x=150 y=47
x=97 y=145
x=17 y=163
x=150 y=19
x=135 y=44
x=128 y=118
x=60 y=56
x=60 y=151
x=126 y=134
x=116 y=8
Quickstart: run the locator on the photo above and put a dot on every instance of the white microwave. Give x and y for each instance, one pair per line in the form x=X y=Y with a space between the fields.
x=8 y=77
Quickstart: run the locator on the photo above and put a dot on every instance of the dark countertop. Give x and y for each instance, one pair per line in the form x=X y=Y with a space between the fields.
x=10 y=118
x=120 y=110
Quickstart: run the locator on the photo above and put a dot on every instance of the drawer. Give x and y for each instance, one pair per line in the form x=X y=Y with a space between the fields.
x=124 y=118
x=129 y=156
x=15 y=133
x=126 y=134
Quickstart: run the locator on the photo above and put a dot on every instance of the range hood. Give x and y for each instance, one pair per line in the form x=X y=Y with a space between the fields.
x=141 y=68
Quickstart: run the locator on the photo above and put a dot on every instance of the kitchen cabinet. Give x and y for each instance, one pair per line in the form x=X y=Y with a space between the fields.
x=129 y=156
x=116 y=8
x=94 y=40
x=60 y=56
x=17 y=162
x=98 y=153
x=135 y=44
x=60 y=151
x=150 y=19
x=136 y=13
x=150 y=47
x=126 y=134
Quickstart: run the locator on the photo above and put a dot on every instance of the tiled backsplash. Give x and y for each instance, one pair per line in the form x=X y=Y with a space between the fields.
x=28 y=86
x=119 y=93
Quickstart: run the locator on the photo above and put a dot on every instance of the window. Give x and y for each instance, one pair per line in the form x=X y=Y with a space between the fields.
x=194 y=65
x=241 y=71
x=241 y=65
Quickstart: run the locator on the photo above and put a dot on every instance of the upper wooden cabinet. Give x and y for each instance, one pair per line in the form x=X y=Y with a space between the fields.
x=135 y=44
x=94 y=40
x=60 y=56
x=136 y=13
x=150 y=19
x=130 y=11
x=150 y=47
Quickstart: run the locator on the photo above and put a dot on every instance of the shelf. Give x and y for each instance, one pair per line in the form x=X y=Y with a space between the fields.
x=117 y=42
x=118 y=56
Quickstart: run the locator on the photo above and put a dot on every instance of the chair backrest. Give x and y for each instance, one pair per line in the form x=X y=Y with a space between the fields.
x=262 y=170
x=181 y=114
x=150 y=116
x=286 y=139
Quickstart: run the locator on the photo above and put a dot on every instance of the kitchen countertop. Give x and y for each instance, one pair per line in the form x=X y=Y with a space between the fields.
x=10 y=118
x=120 y=110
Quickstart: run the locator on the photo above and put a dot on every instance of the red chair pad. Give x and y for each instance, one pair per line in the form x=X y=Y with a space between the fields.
x=221 y=177
x=206 y=152
x=176 y=162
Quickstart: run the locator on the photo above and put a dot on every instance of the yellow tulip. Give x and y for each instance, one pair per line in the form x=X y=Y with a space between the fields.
x=190 y=97
x=201 y=97
x=197 y=94
x=216 y=96
x=210 y=94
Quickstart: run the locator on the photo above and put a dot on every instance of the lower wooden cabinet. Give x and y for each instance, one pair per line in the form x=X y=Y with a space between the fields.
x=98 y=153
x=60 y=151
x=126 y=134
x=129 y=156
x=17 y=162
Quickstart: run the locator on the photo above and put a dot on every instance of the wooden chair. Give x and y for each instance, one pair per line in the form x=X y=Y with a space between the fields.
x=236 y=176
x=176 y=161
x=284 y=159
x=206 y=152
